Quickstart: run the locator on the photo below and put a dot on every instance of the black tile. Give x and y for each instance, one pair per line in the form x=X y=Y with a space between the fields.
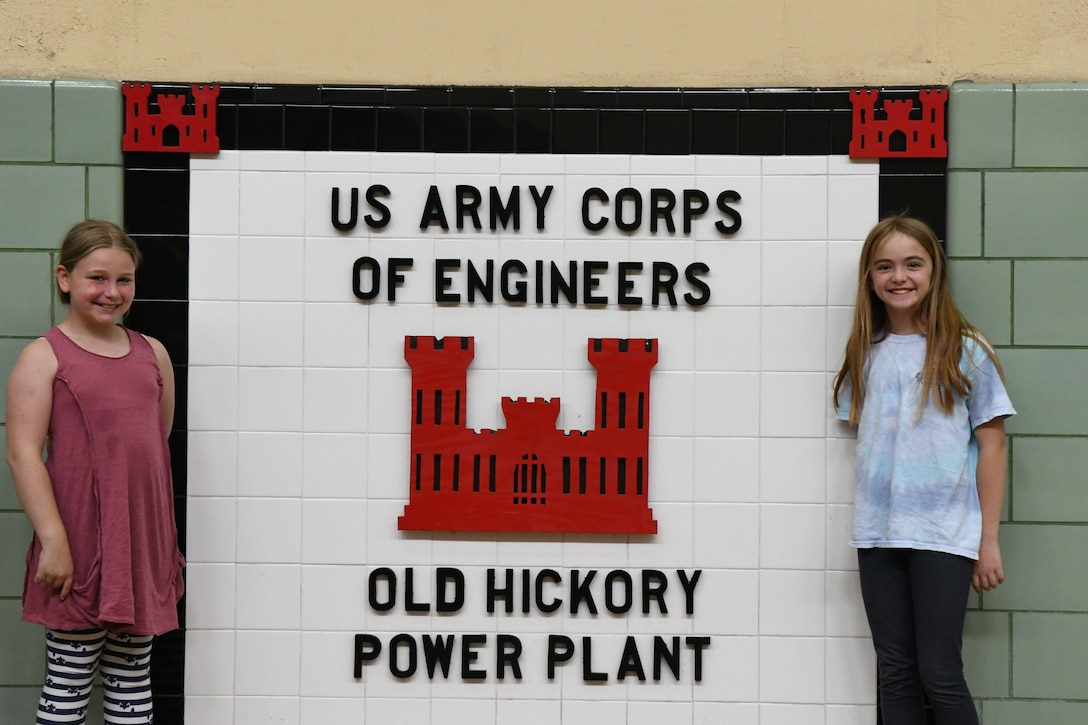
x=668 y=132
x=167 y=665
x=286 y=93
x=142 y=160
x=169 y=709
x=180 y=517
x=418 y=96
x=714 y=131
x=260 y=127
x=445 y=130
x=493 y=130
x=574 y=131
x=181 y=393
x=482 y=96
x=649 y=98
x=234 y=93
x=761 y=132
x=157 y=201
x=808 y=133
x=306 y=128
x=400 y=129
x=715 y=98
x=622 y=131
x=590 y=98
x=226 y=126
x=534 y=97
x=164 y=271
x=912 y=166
x=178 y=442
x=354 y=129
x=166 y=321
x=921 y=196
x=834 y=99
x=842 y=130
x=533 y=130
x=353 y=95
x=774 y=98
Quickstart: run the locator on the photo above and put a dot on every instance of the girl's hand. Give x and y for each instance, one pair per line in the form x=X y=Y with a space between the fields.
x=55 y=568
x=988 y=571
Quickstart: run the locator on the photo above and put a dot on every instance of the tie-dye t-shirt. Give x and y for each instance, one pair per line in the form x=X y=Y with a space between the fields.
x=916 y=483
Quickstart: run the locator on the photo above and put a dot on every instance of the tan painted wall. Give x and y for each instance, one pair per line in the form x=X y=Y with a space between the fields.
x=563 y=42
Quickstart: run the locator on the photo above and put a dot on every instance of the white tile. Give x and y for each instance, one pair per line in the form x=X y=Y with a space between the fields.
x=530 y=342
x=794 y=338
x=839 y=322
x=726 y=603
x=210 y=710
x=388 y=545
x=269 y=464
x=792 y=470
x=269 y=530
x=589 y=712
x=213 y=201
x=213 y=333
x=795 y=165
x=335 y=400
x=319 y=161
x=791 y=670
x=389 y=401
x=726 y=470
x=271 y=269
x=331 y=274
x=407 y=162
x=734 y=676
x=209 y=590
x=268 y=596
x=212 y=463
x=727 y=339
x=257 y=160
x=389 y=710
x=271 y=203
x=209 y=662
x=388 y=467
x=840 y=470
x=270 y=333
x=333 y=709
x=842 y=272
x=597 y=164
x=346 y=196
x=727 y=536
x=845 y=609
x=463 y=710
x=213 y=398
x=336 y=335
x=267 y=663
x=727 y=404
x=735 y=276
x=672 y=165
x=852 y=206
x=674 y=330
x=528 y=712
x=776 y=714
x=222 y=160
x=840 y=528
x=388 y=328
x=333 y=532
x=594 y=551
x=270 y=399
x=278 y=710
x=851 y=671
x=673 y=541
x=794 y=273
x=672 y=463
x=842 y=164
x=672 y=397
x=715 y=713
x=793 y=404
x=794 y=207
x=213 y=267
x=792 y=536
x=653 y=713
x=791 y=603
x=334 y=465
x=707 y=165
x=334 y=599
x=537 y=164
x=211 y=524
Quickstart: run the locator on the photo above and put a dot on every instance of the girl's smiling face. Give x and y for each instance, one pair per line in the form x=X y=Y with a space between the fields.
x=901 y=275
x=101 y=285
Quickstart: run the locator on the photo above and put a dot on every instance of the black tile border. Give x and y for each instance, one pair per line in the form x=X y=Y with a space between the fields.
x=466 y=119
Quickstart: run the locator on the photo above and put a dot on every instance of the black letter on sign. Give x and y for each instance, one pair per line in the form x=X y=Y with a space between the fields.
x=395 y=277
x=448 y=575
x=697 y=644
x=468 y=202
x=594 y=193
x=354 y=218
x=692 y=275
x=442 y=282
x=509 y=648
x=696 y=203
x=723 y=198
x=621 y=196
x=555 y=656
x=413 y=658
x=371 y=265
x=372 y=199
x=386 y=574
x=469 y=655
x=367 y=648
x=433 y=211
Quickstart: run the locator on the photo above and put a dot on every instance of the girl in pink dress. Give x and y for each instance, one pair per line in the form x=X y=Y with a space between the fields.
x=103 y=568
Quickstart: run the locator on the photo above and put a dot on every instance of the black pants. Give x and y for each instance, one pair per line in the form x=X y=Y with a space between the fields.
x=916 y=602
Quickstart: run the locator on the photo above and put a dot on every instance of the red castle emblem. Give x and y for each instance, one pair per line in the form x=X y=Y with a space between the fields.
x=529 y=476
x=176 y=127
x=898 y=135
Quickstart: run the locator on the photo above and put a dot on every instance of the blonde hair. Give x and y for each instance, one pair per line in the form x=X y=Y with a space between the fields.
x=937 y=315
x=87 y=236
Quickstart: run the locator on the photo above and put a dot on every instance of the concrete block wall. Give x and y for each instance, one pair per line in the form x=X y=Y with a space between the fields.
x=1017 y=220
x=60 y=162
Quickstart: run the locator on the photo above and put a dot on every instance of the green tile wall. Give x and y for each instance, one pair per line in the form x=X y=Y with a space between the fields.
x=1018 y=242
x=60 y=162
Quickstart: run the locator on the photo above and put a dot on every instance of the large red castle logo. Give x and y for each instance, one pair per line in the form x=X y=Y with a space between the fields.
x=898 y=135
x=176 y=127
x=529 y=476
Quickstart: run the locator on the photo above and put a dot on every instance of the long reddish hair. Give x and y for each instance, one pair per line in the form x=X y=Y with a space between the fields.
x=937 y=316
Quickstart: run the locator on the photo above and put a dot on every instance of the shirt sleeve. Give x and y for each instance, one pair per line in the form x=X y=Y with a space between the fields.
x=842 y=412
x=988 y=398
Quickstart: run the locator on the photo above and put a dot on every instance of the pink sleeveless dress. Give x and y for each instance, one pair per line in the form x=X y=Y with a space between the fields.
x=110 y=467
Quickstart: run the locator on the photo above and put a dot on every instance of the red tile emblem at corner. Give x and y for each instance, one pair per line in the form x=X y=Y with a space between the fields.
x=179 y=125
x=900 y=128
x=529 y=476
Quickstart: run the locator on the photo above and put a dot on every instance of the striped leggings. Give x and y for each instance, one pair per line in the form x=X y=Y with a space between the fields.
x=125 y=663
